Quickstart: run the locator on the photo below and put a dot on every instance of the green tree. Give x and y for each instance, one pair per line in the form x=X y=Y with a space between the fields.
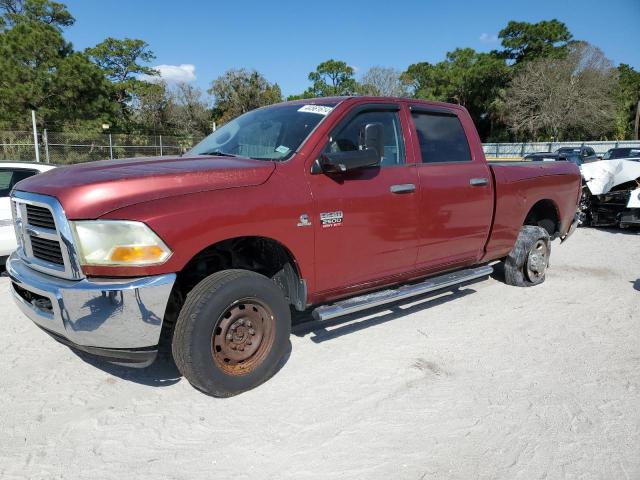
x=191 y=115
x=527 y=41
x=152 y=107
x=122 y=61
x=239 y=91
x=332 y=78
x=40 y=11
x=40 y=71
x=627 y=98
x=465 y=77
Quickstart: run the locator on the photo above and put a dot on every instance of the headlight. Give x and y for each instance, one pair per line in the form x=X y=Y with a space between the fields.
x=118 y=242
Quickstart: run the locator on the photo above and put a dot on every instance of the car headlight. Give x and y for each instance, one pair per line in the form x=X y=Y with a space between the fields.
x=118 y=243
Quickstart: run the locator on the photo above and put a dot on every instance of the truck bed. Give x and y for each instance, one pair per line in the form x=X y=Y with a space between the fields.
x=517 y=184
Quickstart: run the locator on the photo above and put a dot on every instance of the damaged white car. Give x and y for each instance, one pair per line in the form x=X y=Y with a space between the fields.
x=611 y=193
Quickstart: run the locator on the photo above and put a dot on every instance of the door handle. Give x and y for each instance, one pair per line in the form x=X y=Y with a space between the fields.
x=403 y=188
x=478 y=182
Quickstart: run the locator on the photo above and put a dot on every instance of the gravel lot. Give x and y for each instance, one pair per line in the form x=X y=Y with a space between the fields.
x=488 y=382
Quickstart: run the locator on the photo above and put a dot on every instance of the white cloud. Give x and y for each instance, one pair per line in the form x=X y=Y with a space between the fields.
x=488 y=38
x=185 y=72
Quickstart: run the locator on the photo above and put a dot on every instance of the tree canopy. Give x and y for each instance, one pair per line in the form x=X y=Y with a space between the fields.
x=238 y=91
x=528 y=41
x=541 y=83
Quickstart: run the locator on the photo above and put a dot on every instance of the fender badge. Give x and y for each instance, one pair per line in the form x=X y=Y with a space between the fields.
x=331 y=219
x=304 y=221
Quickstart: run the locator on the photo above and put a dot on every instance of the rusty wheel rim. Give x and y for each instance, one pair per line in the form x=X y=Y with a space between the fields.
x=243 y=336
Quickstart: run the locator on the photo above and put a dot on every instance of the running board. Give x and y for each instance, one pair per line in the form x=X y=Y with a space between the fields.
x=375 y=299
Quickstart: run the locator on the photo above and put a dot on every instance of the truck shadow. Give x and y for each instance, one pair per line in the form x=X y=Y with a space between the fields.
x=161 y=373
x=304 y=324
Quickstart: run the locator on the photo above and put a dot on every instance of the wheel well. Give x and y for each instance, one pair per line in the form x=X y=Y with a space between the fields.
x=544 y=214
x=258 y=254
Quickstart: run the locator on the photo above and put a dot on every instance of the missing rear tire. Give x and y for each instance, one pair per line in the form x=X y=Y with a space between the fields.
x=527 y=263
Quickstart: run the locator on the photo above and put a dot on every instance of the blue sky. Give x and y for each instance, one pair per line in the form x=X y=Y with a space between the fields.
x=198 y=40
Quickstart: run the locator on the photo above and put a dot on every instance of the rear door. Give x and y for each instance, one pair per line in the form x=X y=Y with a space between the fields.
x=456 y=188
x=366 y=220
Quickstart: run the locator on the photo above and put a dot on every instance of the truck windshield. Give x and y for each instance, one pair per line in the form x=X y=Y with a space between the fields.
x=270 y=133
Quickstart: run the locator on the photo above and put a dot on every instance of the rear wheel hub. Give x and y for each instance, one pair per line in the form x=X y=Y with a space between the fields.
x=537 y=260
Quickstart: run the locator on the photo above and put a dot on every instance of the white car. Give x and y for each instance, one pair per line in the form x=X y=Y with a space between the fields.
x=10 y=174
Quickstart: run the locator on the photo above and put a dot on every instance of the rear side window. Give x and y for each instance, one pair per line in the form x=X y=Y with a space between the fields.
x=441 y=138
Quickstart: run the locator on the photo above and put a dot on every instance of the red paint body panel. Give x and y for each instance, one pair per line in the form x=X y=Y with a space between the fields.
x=90 y=190
x=518 y=188
x=455 y=216
x=194 y=202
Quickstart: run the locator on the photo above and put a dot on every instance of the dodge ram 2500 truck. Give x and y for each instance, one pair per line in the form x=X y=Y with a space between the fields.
x=330 y=204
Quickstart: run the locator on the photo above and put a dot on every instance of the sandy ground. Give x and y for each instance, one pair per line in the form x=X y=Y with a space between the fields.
x=490 y=382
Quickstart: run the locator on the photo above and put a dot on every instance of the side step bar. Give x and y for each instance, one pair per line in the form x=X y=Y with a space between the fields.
x=370 y=300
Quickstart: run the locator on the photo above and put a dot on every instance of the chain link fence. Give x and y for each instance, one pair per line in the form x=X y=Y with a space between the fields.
x=512 y=150
x=66 y=148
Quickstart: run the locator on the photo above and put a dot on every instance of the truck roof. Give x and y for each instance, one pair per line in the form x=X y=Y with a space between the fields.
x=366 y=99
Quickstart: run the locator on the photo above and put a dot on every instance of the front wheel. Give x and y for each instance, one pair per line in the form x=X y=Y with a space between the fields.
x=232 y=332
x=527 y=263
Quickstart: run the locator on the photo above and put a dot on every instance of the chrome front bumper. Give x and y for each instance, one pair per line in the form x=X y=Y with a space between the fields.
x=118 y=319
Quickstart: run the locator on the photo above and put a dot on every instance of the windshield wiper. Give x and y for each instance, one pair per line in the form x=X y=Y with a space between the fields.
x=220 y=154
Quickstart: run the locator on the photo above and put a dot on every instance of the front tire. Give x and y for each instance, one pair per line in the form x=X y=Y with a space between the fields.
x=232 y=332
x=527 y=263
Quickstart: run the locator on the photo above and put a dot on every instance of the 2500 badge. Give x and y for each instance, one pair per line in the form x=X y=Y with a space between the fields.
x=331 y=219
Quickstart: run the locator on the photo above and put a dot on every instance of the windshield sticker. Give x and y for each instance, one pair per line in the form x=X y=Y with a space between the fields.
x=319 y=109
x=283 y=150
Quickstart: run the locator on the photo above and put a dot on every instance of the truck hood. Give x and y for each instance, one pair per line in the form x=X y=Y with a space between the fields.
x=90 y=190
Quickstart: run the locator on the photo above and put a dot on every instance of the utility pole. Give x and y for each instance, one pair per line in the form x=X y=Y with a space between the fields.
x=637 y=132
x=35 y=135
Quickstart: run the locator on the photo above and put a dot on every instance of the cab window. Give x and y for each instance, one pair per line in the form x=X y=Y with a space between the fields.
x=350 y=137
x=441 y=137
x=9 y=177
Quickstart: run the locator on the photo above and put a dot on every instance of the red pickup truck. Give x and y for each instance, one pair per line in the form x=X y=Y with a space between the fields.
x=330 y=204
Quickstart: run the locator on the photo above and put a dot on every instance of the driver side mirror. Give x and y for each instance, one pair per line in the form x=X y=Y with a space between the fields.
x=369 y=154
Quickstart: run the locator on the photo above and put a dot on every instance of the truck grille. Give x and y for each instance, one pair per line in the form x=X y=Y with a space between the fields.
x=40 y=217
x=44 y=236
x=47 y=250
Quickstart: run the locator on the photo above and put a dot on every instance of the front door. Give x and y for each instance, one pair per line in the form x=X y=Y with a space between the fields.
x=366 y=220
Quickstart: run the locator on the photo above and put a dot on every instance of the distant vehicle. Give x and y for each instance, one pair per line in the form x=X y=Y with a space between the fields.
x=626 y=152
x=10 y=174
x=573 y=158
x=573 y=154
x=587 y=154
x=541 y=157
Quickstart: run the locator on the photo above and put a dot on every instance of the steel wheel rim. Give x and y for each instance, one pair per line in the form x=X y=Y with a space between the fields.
x=537 y=260
x=243 y=336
